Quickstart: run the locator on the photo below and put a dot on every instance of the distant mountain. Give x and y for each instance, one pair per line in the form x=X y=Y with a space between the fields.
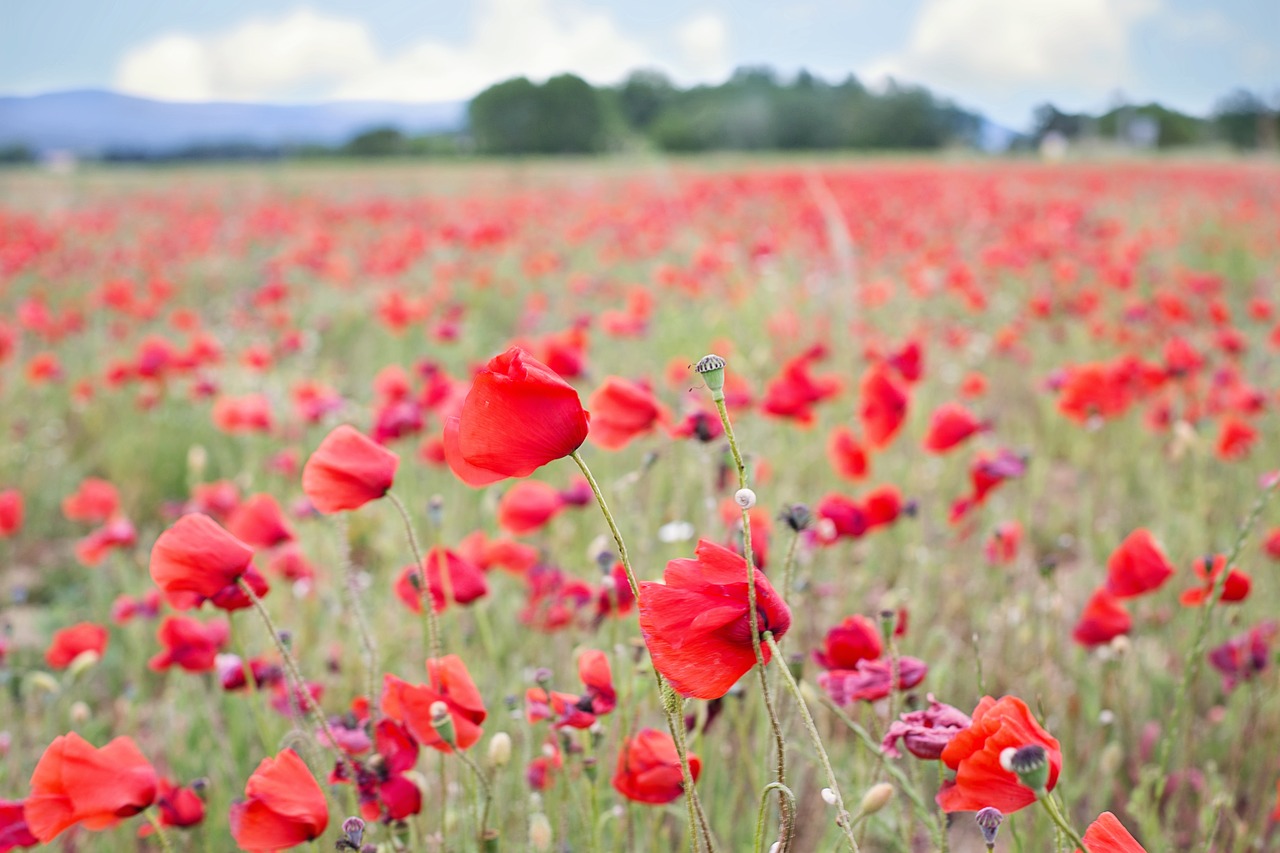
x=90 y=122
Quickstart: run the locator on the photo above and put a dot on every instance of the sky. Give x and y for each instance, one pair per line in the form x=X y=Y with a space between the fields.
x=1001 y=57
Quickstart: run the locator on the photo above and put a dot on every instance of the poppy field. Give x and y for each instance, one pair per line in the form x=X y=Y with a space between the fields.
x=715 y=506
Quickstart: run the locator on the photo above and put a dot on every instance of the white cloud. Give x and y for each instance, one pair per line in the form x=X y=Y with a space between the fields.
x=704 y=46
x=999 y=47
x=307 y=55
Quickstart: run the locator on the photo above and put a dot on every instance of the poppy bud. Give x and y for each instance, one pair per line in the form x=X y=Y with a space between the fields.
x=796 y=516
x=442 y=722
x=539 y=832
x=499 y=749
x=84 y=660
x=711 y=367
x=43 y=681
x=989 y=821
x=876 y=798
x=353 y=834
x=1030 y=763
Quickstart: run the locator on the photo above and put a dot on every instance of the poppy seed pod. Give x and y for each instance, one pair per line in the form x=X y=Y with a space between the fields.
x=711 y=368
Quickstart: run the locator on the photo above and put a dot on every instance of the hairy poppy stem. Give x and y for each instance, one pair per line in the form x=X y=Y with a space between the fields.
x=1198 y=648
x=299 y=685
x=923 y=811
x=435 y=648
x=1055 y=814
x=697 y=818
x=355 y=606
x=486 y=797
x=783 y=793
x=159 y=831
x=843 y=818
x=785 y=811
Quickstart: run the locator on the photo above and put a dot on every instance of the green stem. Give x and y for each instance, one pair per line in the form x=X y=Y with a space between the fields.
x=843 y=818
x=789 y=566
x=159 y=831
x=783 y=793
x=1059 y=821
x=353 y=602
x=486 y=795
x=1198 y=649
x=435 y=649
x=697 y=819
x=299 y=685
x=753 y=617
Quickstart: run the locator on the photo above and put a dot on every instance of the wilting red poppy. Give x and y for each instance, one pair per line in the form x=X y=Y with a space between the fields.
x=189 y=644
x=974 y=754
x=11 y=506
x=951 y=424
x=621 y=411
x=884 y=405
x=177 y=806
x=696 y=623
x=925 y=733
x=196 y=559
x=461 y=582
x=260 y=523
x=447 y=681
x=94 y=501
x=14 y=831
x=648 y=768
x=848 y=458
x=518 y=416
x=1108 y=835
x=75 y=783
x=1137 y=566
x=348 y=470
x=856 y=638
x=871 y=680
x=1104 y=618
x=527 y=506
x=284 y=806
x=69 y=643
x=1235 y=588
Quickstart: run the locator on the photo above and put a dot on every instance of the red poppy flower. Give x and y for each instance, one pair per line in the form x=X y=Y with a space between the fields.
x=1137 y=566
x=794 y=392
x=621 y=411
x=1002 y=546
x=884 y=406
x=189 y=644
x=260 y=523
x=847 y=517
x=518 y=416
x=447 y=681
x=1235 y=439
x=480 y=551
x=69 y=643
x=696 y=623
x=291 y=564
x=974 y=754
x=462 y=582
x=856 y=638
x=348 y=470
x=1234 y=589
x=1108 y=835
x=284 y=806
x=94 y=501
x=527 y=506
x=177 y=805
x=848 y=458
x=884 y=506
x=218 y=500
x=649 y=768
x=385 y=792
x=116 y=533
x=75 y=783
x=11 y=511
x=951 y=424
x=1104 y=618
x=14 y=831
x=196 y=559
x=925 y=734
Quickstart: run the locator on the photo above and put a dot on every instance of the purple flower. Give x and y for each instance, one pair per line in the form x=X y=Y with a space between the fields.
x=925 y=733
